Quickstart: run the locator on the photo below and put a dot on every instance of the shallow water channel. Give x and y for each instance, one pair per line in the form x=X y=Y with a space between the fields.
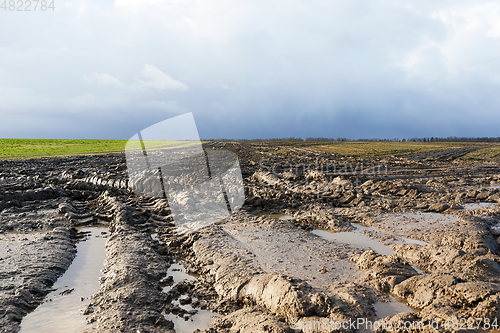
x=384 y=309
x=478 y=205
x=280 y=216
x=61 y=310
x=358 y=238
x=202 y=319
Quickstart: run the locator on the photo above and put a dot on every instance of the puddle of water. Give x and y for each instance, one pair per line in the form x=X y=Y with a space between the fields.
x=154 y=236
x=202 y=319
x=478 y=205
x=498 y=186
x=384 y=309
x=399 y=239
x=357 y=238
x=404 y=240
x=280 y=216
x=178 y=272
x=418 y=270
x=391 y=308
x=61 y=310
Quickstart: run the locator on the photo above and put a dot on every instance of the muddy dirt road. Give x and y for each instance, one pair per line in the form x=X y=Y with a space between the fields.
x=323 y=243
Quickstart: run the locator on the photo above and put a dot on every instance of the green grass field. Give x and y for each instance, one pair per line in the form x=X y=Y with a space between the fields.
x=39 y=148
x=35 y=148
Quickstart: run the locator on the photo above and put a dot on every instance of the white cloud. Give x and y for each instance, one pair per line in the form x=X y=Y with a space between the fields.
x=102 y=79
x=473 y=44
x=153 y=78
x=149 y=79
x=482 y=18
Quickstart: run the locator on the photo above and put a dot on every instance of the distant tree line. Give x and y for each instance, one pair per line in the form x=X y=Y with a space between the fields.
x=456 y=139
x=321 y=139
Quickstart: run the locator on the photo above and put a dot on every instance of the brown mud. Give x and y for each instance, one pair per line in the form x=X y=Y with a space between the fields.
x=429 y=227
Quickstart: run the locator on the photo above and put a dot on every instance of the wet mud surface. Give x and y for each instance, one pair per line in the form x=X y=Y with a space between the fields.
x=60 y=310
x=411 y=239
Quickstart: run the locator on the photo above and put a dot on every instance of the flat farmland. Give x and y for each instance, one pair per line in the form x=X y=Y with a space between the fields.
x=404 y=233
x=12 y=149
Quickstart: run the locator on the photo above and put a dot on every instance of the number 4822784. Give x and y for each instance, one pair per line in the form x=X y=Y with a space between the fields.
x=27 y=5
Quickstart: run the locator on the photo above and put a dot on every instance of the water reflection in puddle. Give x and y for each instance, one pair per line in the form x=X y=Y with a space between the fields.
x=358 y=238
x=61 y=310
x=178 y=273
x=280 y=216
x=355 y=238
x=405 y=240
x=391 y=308
x=202 y=319
x=478 y=205
x=384 y=310
x=154 y=237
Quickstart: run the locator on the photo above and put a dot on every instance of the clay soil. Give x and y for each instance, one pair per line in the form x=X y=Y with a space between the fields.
x=261 y=273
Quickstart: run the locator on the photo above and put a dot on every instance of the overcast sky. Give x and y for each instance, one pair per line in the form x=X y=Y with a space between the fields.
x=252 y=69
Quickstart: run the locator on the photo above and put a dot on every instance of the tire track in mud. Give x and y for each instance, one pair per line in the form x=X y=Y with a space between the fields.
x=130 y=296
x=77 y=201
x=279 y=246
x=251 y=274
x=29 y=265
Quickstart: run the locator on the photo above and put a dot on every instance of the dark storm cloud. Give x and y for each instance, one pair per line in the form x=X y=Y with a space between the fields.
x=251 y=69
